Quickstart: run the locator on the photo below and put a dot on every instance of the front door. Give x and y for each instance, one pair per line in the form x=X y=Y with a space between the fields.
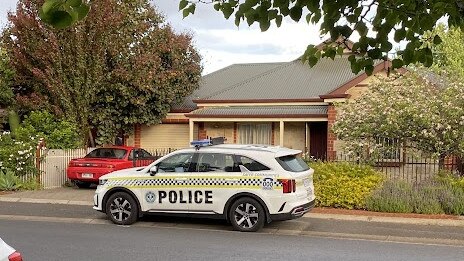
x=318 y=140
x=166 y=191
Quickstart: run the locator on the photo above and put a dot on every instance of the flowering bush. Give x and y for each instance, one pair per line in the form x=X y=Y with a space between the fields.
x=410 y=110
x=17 y=155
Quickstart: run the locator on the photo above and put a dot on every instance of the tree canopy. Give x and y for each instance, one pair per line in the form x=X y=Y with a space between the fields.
x=120 y=66
x=375 y=21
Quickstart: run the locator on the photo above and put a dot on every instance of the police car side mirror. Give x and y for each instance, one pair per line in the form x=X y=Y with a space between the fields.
x=153 y=170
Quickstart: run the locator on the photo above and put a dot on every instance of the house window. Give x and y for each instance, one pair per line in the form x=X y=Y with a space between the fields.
x=255 y=133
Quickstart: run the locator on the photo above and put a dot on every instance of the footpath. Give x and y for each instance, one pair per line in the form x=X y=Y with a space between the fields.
x=75 y=205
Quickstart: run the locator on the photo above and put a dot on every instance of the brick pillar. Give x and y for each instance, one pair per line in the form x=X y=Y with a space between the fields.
x=331 y=116
x=202 y=131
x=137 y=134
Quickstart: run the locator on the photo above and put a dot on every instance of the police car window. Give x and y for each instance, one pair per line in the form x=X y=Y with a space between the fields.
x=251 y=165
x=292 y=163
x=176 y=163
x=216 y=162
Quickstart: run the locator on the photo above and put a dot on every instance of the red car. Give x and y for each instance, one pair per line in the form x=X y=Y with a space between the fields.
x=85 y=171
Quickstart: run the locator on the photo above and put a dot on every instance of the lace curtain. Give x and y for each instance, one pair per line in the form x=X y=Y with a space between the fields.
x=255 y=133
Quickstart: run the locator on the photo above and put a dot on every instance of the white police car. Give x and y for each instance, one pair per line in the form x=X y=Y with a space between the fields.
x=246 y=184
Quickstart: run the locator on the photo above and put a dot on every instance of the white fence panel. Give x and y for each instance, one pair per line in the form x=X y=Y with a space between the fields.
x=53 y=166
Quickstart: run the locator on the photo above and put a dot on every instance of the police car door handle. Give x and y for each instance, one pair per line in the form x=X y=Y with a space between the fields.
x=181 y=178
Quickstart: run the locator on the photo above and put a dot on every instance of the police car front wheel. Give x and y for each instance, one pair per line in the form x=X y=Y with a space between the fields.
x=247 y=215
x=122 y=209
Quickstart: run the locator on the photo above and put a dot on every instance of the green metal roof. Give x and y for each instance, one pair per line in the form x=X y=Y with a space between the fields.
x=273 y=81
x=262 y=111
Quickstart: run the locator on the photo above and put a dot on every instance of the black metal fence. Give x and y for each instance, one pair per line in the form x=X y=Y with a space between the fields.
x=412 y=167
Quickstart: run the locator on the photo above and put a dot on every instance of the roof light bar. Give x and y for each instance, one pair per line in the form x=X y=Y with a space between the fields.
x=207 y=142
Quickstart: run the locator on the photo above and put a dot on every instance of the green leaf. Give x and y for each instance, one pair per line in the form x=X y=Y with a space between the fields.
x=82 y=11
x=272 y=14
x=49 y=5
x=264 y=24
x=278 y=20
x=312 y=61
x=397 y=63
x=437 y=40
x=399 y=35
x=351 y=58
x=60 y=19
x=184 y=3
x=369 y=69
x=408 y=56
x=295 y=13
x=227 y=10
x=185 y=12
x=317 y=16
x=74 y=3
x=362 y=29
x=374 y=53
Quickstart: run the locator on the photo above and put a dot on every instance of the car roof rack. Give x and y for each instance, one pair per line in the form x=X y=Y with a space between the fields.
x=207 y=142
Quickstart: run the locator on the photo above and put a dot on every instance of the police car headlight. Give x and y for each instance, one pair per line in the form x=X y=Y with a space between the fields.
x=102 y=182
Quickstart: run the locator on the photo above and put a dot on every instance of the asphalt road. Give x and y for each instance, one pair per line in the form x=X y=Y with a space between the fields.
x=322 y=227
x=58 y=241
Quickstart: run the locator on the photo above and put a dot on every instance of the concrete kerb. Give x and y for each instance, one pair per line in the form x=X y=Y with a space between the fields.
x=397 y=220
x=46 y=201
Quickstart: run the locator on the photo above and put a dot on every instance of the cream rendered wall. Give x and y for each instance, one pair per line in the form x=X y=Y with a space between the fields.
x=357 y=91
x=220 y=129
x=130 y=140
x=166 y=136
x=294 y=135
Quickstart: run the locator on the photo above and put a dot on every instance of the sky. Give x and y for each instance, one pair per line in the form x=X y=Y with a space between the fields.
x=220 y=42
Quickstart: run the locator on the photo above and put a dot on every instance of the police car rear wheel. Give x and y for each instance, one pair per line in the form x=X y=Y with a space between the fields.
x=122 y=209
x=247 y=215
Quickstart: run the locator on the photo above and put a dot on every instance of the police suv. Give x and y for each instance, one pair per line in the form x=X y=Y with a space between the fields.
x=248 y=185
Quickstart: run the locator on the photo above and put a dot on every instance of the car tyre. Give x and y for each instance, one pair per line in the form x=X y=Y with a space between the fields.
x=122 y=209
x=82 y=184
x=247 y=215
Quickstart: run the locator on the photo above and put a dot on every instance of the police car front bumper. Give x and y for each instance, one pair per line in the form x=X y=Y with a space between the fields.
x=296 y=212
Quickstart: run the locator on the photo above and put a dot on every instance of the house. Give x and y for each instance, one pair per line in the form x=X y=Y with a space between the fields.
x=287 y=104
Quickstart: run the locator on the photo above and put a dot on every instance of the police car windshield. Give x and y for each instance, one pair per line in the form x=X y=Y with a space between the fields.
x=292 y=163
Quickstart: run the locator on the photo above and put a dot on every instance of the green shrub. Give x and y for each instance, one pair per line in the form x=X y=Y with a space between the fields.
x=426 y=198
x=9 y=181
x=393 y=196
x=435 y=196
x=452 y=195
x=58 y=134
x=343 y=185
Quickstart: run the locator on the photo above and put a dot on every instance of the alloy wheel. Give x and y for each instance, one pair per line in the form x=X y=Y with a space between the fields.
x=120 y=209
x=246 y=215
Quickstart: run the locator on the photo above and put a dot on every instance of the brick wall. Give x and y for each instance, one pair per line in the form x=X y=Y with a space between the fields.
x=137 y=134
x=201 y=131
